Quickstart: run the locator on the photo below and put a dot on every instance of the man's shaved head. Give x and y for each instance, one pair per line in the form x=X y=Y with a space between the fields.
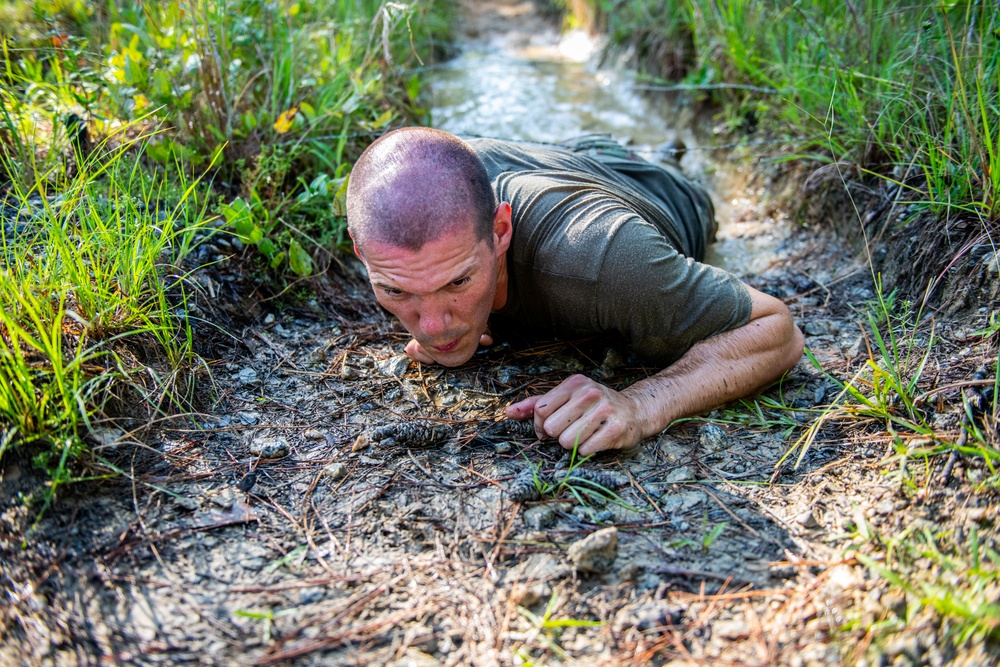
x=415 y=184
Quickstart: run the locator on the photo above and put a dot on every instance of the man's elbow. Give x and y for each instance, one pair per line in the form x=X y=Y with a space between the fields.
x=793 y=342
x=796 y=346
x=786 y=341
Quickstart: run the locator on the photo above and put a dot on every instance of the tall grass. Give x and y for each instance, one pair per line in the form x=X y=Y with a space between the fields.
x=127 y=127
x=91 y=304
x=908 y=91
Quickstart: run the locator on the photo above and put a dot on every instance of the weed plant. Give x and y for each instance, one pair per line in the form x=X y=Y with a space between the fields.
x=111 y=116
x=890 y=388
x=908 y=91
x=278 y=96
x=955 y=576
x=91 y=302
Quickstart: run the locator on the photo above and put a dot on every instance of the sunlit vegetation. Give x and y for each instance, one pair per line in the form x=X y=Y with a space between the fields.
x=908 y=91
x=131 y=131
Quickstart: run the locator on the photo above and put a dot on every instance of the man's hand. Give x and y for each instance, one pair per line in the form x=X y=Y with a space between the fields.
x=582 y=412
x=414 y=350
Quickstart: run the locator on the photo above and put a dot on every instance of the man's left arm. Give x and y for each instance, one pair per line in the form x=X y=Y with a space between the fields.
x=713 y=372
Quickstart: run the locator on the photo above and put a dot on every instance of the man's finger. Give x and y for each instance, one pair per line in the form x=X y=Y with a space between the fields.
x=522 y=409
x=415 y=351
x=583 y=434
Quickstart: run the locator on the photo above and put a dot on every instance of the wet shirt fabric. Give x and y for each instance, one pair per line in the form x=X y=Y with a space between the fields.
x=606 y=243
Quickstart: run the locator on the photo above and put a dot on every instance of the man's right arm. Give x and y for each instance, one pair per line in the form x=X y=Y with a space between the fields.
x=713 y=372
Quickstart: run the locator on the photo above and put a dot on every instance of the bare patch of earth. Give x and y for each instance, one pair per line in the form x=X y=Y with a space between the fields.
x=278 y=530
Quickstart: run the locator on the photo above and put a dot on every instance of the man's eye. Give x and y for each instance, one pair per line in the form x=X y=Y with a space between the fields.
x=460 y=282
x=389 y=291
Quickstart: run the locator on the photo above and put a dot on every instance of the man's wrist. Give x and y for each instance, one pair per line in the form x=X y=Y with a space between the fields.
x=651 y=407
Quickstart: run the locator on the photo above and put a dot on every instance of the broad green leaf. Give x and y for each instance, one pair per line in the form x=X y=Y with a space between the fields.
x=299 y=260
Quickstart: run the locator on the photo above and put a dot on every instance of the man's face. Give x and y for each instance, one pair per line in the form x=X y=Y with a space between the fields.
x=442 y=293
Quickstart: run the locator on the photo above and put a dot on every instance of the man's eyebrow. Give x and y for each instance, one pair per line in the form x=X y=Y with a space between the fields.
x=463 y=275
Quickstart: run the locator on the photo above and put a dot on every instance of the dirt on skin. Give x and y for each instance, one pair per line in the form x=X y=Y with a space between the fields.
x=288 y=526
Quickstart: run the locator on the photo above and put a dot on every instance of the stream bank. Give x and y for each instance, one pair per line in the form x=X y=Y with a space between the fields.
x=282 y=528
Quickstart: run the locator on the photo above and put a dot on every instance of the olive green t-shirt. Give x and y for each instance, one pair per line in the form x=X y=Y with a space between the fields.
x=608 y=245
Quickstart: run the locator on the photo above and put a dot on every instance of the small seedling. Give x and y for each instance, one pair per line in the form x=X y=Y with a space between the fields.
x=268 y=616
x=546 y=631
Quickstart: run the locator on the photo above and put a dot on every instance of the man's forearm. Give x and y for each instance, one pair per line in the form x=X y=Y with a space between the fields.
x=718 y=370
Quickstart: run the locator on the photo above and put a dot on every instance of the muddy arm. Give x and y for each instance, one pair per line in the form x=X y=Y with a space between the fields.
x=713 y=372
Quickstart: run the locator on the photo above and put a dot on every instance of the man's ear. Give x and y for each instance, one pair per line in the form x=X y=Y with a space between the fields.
x=503 y=228
x=356 y=250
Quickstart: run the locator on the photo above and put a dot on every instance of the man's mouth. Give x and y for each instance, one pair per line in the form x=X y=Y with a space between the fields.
x=447 y=347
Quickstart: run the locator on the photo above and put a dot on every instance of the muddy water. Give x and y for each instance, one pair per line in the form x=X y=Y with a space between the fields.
x=529 y=83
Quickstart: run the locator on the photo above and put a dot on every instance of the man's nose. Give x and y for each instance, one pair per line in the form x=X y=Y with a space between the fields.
x=435 y=318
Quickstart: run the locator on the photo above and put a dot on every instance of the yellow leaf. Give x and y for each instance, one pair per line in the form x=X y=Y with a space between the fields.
x=382 y=120
x=285 y=120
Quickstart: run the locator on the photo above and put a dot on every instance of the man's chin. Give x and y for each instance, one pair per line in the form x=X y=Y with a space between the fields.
x=451 y=358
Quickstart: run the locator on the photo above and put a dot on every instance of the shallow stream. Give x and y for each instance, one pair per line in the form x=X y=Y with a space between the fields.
x=517 y=78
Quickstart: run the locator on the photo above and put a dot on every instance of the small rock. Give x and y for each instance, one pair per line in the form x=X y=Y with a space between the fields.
x=335 y=471
x=269 y=448
x=313 y=434
x=503 y=447
x=247 y=377
x=187 y=503
x=249 y=418
x=362 y=442
x=820 y=328
x=393 y=366
x=807 y=520
x=269 y=318
x=885 y=507
x=732 y=629
x=629 y=572
x=651 y=616
x=247 y=482
x=224 y=498
x=677 y=475
x=680 y=503
x=596 y=552
x=539 y=517
x=509 y=375
x=348 y=372
x=975 y=513
x=107 y=437
x=530 y=594
x=604 y=516
x=992 y=262
x=538 y=567
x=713 y=438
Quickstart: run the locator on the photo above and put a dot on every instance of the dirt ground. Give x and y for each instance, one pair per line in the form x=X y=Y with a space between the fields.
x=285 y=526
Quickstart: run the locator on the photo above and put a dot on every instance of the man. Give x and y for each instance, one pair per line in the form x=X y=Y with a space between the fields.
x=566 y=242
